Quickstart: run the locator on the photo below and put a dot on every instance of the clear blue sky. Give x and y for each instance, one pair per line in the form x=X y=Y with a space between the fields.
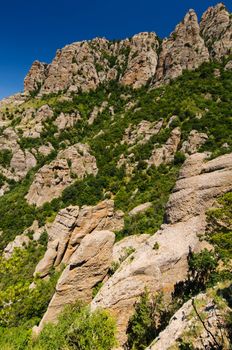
x=36 y=29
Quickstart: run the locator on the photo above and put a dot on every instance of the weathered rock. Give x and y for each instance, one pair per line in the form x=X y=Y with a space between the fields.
x=66 y=120
x=194 y=142
x=96 y=111
x=141 y=133
x=228 y=66
x=140 y=209
x=20 y=241
x=36 y=76
x=165 y=154
x=127 y=246
x=186 y=325
x=216 y=29
x=45 y=150
x=88 y=266
x=22 y=162
x=32 y=121
x=53 y=178
x=161 y=262
x=184 y=49
x=71 y=225
x=142 y=60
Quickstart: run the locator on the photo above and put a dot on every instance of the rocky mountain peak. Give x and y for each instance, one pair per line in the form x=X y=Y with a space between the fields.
x=83 y=66
x=216 y=29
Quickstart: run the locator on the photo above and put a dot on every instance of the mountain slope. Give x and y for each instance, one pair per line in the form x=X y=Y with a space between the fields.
x=110 y=161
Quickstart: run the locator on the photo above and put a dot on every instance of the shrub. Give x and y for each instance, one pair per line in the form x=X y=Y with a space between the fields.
x=79 y=329
x=5 y=157
x=150 y=317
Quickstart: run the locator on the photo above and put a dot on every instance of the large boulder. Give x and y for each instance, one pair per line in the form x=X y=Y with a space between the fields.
x=165 y=154
x=20 y=242
x=69 y=228
x=87 y=267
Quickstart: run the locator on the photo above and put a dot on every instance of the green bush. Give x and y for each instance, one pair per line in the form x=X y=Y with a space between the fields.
x=5 y=157
x=79 y=329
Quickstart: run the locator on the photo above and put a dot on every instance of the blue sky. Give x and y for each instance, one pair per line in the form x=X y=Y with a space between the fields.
x=36 y=29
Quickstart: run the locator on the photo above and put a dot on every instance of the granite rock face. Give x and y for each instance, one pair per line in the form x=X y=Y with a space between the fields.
x=185 y=321
x=141 y=133
x=216 y=29
x=71 y=225
x=194 y=142
x=200 y=182
x=83 y=66
x=87 y=267
x=166 y=153
x=184 y=49
x=142 y=60
x=53 y=178
x=35 y=77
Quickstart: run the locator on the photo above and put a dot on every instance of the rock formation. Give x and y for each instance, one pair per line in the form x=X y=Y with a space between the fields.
x=216 y=29
x=35 y=77
x=140 y=209
x=200 y=182
x=136 y=61
x=194 y=142
x=65 y=120
x=21 y=161
x=141 y=133
x=87 y=267
x=165 y=154
x=20 y=242
x=186 y=325
x=184 y=49
x=142 y=60
x=32 y=121
x=53 y=178
x=71 y=225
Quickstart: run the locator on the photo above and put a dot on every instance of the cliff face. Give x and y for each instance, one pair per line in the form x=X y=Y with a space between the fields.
x=136 y=61
x=107 y=186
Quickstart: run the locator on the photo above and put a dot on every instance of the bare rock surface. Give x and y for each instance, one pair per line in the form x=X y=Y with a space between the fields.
x=216 y=29
x=35 y=77
x=87 y=267
x=53 y=178
x=21 y=161
x=20 y=241
x=140 y=209
x=46 y=149
x=186 y=325
x=127 y=246
x=184 y=49
x=70 y=226
x=142 y=60
x=32 y=121
x=160 y=262
x=67 y=120
x=141 y=133
x=165 y=154
x=96 y=111
x=194 y=142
